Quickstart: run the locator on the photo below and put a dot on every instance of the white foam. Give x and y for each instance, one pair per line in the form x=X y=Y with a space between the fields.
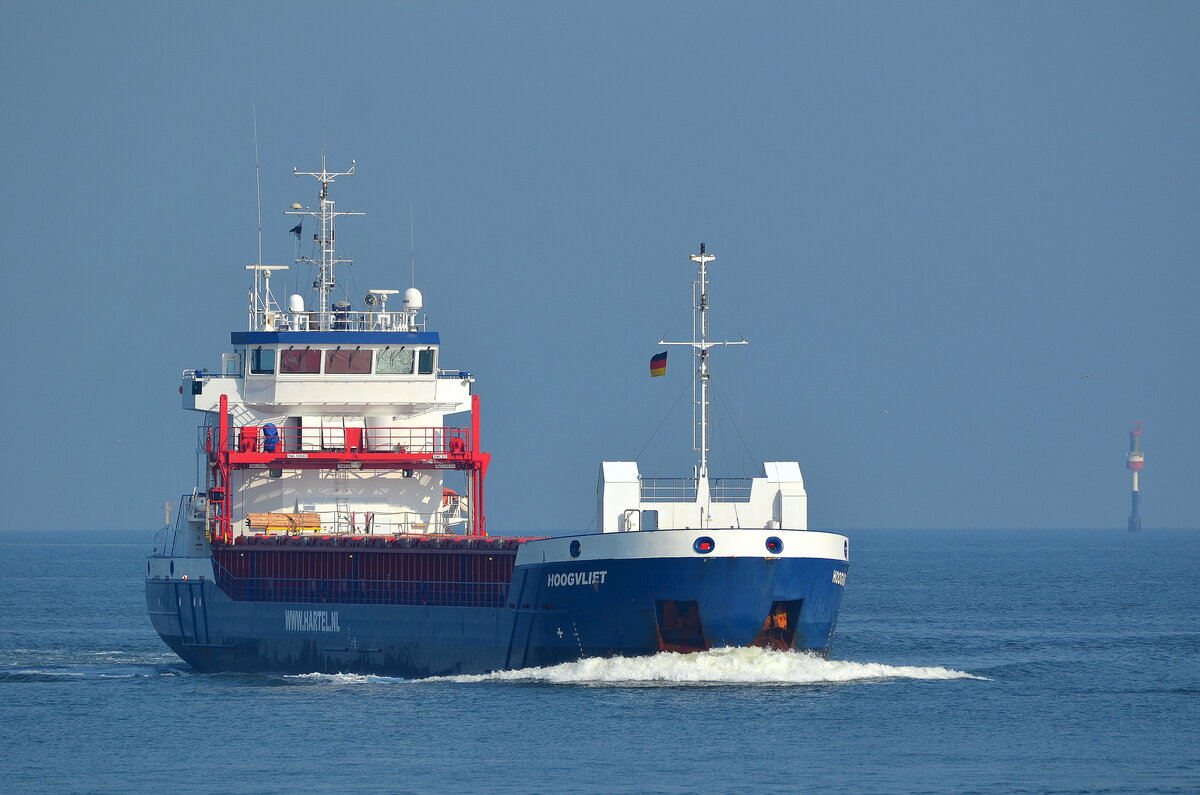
x=725 y=666
x=342 y=679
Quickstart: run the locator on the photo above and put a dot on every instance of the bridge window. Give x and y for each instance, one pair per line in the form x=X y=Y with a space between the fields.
x=394 y=361
x=262 y=361
x=299 y=361
x=340 y=362
x=425 y=362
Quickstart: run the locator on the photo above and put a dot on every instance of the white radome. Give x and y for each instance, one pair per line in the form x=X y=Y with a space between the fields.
x=412 y=299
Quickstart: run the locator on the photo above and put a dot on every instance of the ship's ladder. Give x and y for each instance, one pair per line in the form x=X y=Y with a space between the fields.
x=341 y=497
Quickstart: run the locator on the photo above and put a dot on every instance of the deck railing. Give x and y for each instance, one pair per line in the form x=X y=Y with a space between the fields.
x=338 y=320
x=308 y=438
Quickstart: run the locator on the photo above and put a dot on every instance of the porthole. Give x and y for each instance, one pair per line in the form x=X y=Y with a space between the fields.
x=704 y=545
x=774 y=545
x=576 y=548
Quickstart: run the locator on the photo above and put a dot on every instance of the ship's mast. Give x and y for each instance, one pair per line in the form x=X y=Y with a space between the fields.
x=700 y=344
x=326 y=214
x=700 y=317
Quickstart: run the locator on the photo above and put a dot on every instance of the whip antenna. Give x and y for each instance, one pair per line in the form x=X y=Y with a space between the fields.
x=257 y=180
x=412 y=241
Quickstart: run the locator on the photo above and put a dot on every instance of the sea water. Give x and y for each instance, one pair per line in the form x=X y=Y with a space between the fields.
x=1049 y=661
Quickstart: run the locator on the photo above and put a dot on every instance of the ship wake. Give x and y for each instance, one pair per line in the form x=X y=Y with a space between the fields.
x=725 y=666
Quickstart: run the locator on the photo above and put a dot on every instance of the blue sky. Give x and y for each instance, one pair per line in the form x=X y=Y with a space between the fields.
x=932 y=219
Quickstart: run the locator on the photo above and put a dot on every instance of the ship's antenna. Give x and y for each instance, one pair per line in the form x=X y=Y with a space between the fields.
x=412 y=240
x=260 y=313
x=256 y=299
x=326 y=214
x=257 y=180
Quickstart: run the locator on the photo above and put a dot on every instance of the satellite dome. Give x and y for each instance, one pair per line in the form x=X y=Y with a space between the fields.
x=412 y=299
x=295 y=302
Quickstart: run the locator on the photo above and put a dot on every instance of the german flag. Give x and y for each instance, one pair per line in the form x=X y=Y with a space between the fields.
x=658 y=364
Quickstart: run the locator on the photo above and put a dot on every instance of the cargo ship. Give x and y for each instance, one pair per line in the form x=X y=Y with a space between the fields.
x=338 y=523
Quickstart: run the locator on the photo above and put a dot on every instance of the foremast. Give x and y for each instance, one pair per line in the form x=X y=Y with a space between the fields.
x=700 y=344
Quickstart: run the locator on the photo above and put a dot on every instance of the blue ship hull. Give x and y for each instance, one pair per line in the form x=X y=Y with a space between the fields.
x=556 y=612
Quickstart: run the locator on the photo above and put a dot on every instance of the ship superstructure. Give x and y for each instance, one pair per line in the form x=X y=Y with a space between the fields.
x=334 y=415
x=323 y=534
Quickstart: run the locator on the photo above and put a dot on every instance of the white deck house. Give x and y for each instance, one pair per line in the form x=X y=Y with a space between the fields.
x=627 y=501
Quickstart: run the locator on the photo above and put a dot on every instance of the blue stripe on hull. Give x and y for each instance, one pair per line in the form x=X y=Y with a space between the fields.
x=612 y=614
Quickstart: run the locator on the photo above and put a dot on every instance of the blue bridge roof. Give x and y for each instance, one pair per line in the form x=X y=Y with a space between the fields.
x=335 y=337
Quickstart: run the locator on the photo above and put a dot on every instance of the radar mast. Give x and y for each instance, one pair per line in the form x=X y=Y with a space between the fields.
x=326 y=214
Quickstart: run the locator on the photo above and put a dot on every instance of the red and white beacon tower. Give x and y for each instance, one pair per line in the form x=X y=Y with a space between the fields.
x=1136 y=462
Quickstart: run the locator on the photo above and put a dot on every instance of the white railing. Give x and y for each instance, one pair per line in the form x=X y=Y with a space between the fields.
x=338 y=320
